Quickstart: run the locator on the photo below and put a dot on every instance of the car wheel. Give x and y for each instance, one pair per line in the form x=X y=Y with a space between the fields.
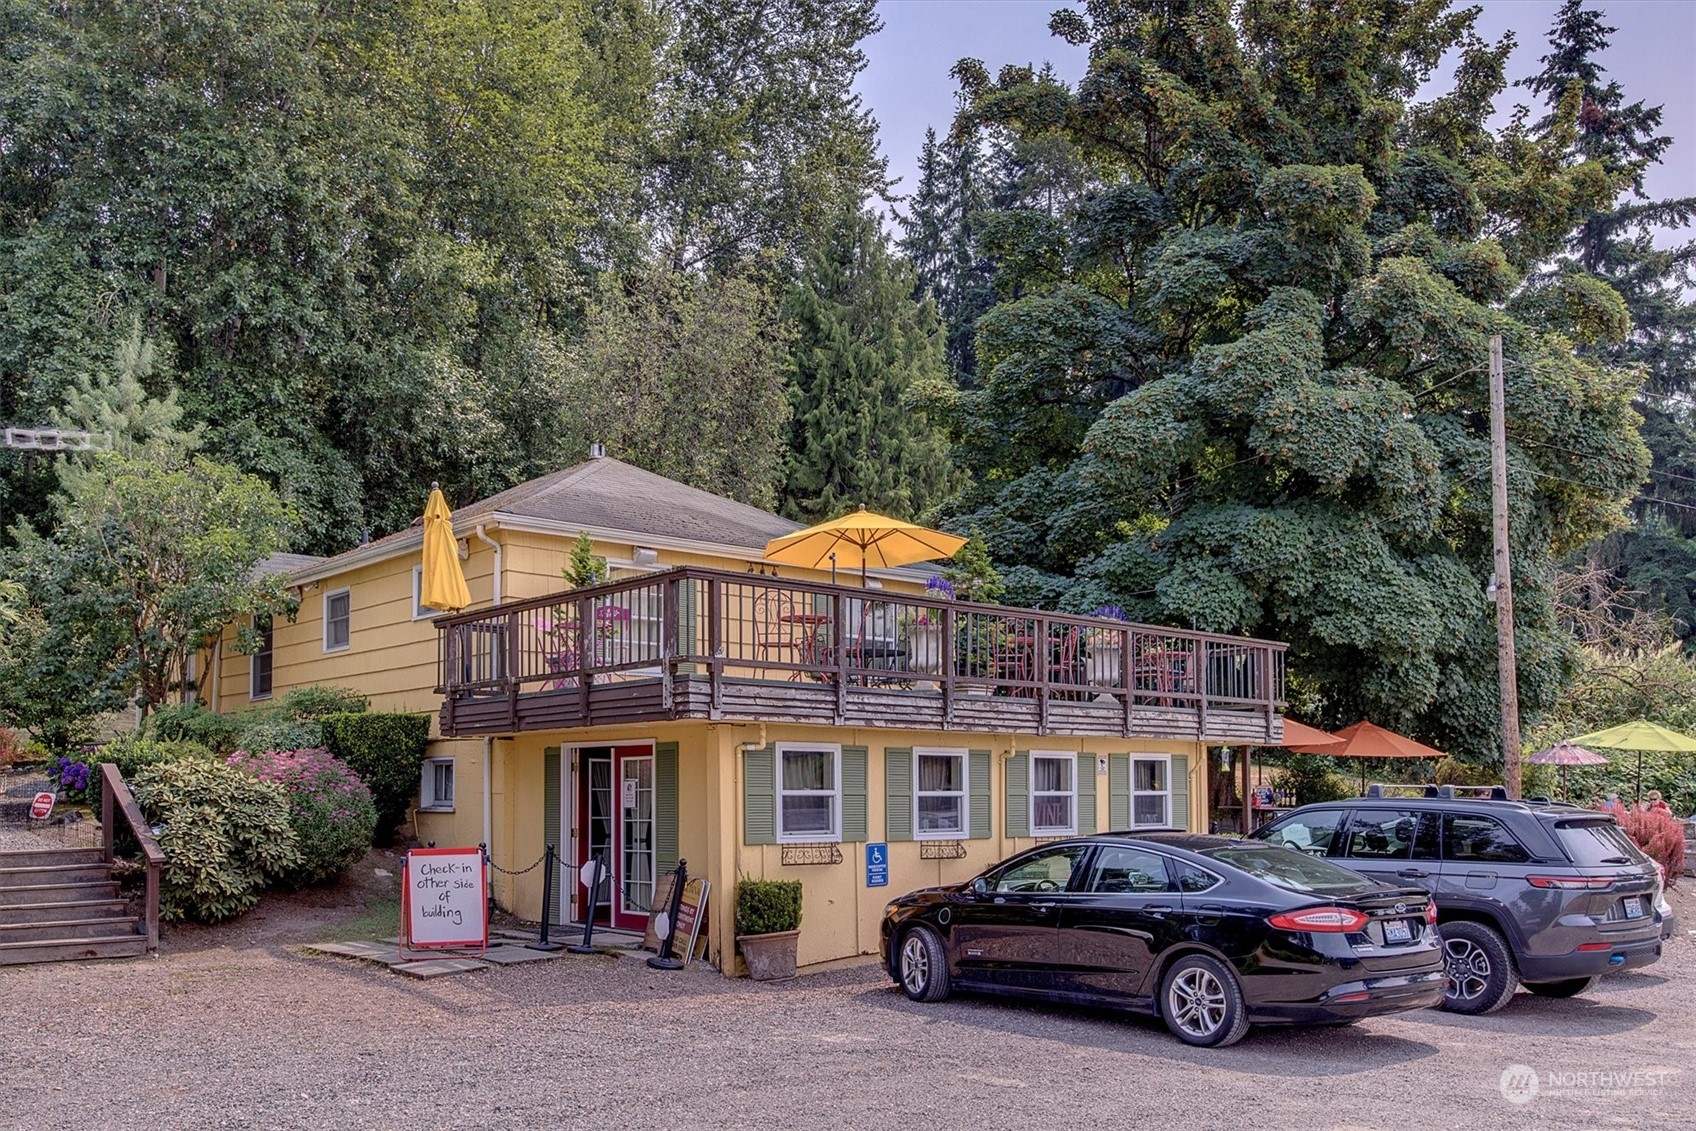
x=1568 y=987
x=1481 y=978
x=923 y=965
x=1202 y=1003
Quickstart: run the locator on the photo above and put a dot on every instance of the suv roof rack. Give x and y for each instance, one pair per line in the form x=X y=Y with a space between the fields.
x=1446 y=792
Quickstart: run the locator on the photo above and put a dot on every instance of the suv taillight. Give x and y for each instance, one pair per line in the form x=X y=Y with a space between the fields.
x=1335 y=920
x=1571 y=883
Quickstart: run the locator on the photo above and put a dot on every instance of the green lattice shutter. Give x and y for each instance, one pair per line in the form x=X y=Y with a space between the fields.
x=854 y=794
x=1018 y=792
x=1181 y=791
x=1085 y=782
x=1119 y=791
x=665 y=806
x=977 y=762
x=551 y=827
x=759 y=796
x=898 y=793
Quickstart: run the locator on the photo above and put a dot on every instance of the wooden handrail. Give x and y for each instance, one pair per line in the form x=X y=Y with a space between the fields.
x=115 y=797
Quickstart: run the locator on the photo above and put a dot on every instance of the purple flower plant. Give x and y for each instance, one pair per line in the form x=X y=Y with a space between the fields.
x=1109 y=612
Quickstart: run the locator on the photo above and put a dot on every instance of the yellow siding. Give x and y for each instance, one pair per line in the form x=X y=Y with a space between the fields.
x=841 y=915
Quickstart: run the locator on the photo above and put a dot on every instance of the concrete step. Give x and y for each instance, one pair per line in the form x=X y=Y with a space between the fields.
x=47 y=912
x=62 y=929
x=33 y=875
x=67 y=950
x=56 y=893
x=33 y=857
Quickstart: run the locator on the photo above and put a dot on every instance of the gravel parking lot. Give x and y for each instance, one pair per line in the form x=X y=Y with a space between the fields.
x=233 y=1028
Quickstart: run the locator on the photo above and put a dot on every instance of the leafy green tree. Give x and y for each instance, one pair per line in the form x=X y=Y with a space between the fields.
x=865 y=351
x=585 y=567
x=758 y=140
x=1238 y=380
x=150 y=556
x=683 y=376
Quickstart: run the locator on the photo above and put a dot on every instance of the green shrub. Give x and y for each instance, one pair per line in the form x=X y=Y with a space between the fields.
x=764 y=907
x=190 y=722
x=1313 y=778
x=329 y=808
x=275 y=732
x=225 y=834
x=131 y=754
x=387 y=751
x=316 y=702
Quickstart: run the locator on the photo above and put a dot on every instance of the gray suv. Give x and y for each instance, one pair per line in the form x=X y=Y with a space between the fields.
x=1548 y=895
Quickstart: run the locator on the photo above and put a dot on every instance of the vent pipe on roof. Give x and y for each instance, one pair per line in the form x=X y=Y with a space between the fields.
x=597 y=451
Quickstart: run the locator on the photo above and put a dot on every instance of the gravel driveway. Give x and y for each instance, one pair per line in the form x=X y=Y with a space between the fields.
x=241 y=1031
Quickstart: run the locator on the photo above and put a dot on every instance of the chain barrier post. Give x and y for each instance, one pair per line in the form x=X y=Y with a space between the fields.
x=668 y=929
x=597 y=867
x=488 y=887
x=543 y=943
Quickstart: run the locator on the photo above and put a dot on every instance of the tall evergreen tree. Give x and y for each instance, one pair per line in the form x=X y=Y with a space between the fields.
x=1617 y=245
x=865 y=354
x=1238 y=376
x=940 y=238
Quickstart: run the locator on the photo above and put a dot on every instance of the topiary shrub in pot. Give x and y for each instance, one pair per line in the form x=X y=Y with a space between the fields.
x=330 y=809
x=768 y=922
x=225 y=835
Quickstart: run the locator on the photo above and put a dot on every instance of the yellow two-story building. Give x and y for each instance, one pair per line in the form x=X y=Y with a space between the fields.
x=703 y=705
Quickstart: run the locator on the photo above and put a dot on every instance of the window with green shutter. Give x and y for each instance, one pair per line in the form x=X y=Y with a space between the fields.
x=854 y=794
x=1086 y=793
x=978 y=777
x=898 y=793
x=1018 y=791
x=1148 y=791
x=940 y=798
x=665 y=806
x=759 y=795
x=1119 y=792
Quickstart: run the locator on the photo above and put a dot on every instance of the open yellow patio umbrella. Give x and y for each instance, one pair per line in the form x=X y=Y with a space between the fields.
x=442 y=585
x=862 y=538
x=1639 y=735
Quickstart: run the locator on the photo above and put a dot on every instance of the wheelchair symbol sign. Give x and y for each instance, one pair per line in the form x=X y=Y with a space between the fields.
x=877 y=865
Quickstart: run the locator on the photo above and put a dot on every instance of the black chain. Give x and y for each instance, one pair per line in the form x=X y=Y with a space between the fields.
x=521 y=871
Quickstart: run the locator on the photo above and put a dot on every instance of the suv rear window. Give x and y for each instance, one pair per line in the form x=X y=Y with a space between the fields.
x=1597 y=842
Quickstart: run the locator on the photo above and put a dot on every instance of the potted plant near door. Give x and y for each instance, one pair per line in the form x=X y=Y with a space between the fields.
x=768 y=926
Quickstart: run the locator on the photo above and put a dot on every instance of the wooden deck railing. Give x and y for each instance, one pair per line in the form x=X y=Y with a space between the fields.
x=115 y=799
x=731 y=626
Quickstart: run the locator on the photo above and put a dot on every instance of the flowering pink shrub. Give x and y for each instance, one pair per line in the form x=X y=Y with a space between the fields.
x=330 y=809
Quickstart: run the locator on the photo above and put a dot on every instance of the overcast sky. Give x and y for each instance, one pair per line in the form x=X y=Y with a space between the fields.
x=907 y=88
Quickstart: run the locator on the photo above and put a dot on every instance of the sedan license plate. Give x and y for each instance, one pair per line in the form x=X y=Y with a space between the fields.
x=1397 y=931
x=1634 y=907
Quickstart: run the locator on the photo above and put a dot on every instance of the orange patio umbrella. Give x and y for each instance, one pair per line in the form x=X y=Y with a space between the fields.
x=1366 y=740
x=862 y=538
x=1309 y=739
x=442 y=583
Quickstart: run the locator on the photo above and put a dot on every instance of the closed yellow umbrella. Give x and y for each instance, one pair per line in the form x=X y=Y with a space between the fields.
x=442 y=585
x=862 y=538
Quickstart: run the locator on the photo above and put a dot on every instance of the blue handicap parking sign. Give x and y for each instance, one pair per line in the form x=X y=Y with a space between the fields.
x=877 y=865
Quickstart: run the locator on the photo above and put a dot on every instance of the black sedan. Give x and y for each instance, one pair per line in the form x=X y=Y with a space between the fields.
x=1208 y=933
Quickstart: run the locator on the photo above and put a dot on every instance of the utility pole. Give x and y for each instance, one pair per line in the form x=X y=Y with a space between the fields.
x=1505 y=666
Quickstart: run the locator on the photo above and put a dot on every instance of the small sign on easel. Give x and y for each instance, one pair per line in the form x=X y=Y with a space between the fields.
x=444 y=901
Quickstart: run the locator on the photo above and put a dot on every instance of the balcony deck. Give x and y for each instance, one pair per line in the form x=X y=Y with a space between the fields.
x=696 y=643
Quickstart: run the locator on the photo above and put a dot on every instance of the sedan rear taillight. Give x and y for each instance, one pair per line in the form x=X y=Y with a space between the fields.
x=1571 y=883
x=1333 y=919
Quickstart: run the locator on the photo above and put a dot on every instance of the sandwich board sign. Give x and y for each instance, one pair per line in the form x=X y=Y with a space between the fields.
x=445 y=900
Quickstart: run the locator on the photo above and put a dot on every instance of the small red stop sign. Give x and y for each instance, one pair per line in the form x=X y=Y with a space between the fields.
x=42 y=807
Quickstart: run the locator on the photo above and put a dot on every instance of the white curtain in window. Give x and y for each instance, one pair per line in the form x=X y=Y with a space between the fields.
x=1053 y=775
x=939 y=773
x=807 y=769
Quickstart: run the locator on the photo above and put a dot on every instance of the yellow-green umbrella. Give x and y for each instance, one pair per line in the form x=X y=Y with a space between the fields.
x=1639 y=735
x=862 y=538
x=442 y=585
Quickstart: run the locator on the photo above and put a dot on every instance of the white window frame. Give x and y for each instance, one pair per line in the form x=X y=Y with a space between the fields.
x=420 y=611
x=1071 y=828
x=964 y=793
x=328 y=597
x=835 y=793
x=1166 y=794
x=254 y=695
x=428 y=802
